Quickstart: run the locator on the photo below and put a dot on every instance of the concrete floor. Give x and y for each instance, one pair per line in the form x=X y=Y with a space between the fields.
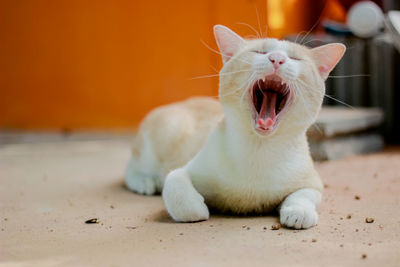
x=48 y=191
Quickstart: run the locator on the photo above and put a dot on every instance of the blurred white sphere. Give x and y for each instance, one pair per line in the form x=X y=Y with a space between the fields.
x=365 y=19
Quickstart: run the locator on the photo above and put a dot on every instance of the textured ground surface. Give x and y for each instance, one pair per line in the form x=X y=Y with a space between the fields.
x=48 y=191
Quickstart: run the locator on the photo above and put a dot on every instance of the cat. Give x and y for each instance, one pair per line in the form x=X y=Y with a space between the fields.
x=247 y=153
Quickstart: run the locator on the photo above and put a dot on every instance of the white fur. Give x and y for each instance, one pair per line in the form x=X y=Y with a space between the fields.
x=143 y=179
x=237 y=168
x=298 y=210
x=181 y=199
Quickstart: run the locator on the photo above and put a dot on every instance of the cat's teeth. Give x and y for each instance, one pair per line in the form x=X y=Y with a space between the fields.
x=275 y=78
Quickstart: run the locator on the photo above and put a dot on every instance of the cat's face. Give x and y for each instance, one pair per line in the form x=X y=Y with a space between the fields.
x=270 y=84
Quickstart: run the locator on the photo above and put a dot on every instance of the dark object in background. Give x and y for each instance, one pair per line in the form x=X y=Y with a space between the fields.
x=385 y=84
x=367 y=76
x=340 y=132
x=336 y=28
x=348 y=3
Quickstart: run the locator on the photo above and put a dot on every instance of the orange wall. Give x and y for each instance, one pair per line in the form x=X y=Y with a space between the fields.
x=79 y=64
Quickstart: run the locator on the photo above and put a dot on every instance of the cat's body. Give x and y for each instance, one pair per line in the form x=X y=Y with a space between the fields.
x=252 y=158
x=168 y=138
x=225 y=173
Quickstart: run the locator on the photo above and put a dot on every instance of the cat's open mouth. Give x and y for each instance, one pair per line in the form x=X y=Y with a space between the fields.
x=270 y=97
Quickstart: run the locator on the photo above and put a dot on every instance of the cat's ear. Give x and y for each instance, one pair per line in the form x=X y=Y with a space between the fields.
x=228 y=42
x=327 y=56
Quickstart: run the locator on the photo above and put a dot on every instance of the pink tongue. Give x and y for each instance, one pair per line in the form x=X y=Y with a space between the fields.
x=266 y=117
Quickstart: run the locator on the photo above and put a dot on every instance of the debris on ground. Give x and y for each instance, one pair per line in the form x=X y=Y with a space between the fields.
x=363 y=256
x=276 y=227
x=357 y=197
x=94 y=220
x=369 y=220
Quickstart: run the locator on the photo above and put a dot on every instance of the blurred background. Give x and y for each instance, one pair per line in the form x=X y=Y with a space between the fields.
x=78 y=76
x=83 y=65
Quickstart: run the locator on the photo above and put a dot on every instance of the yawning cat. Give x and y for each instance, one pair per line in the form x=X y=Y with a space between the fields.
x=247 y=153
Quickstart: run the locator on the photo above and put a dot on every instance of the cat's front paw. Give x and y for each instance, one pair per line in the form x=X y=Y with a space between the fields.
x=186 y=207
x=181 y=199
x=298 y=217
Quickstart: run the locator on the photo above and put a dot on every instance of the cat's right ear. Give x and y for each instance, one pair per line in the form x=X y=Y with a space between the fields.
x=228 y=42
x=327 y=56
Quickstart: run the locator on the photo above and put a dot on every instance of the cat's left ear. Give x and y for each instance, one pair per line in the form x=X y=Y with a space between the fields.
x=228 y=42
x=327 y=56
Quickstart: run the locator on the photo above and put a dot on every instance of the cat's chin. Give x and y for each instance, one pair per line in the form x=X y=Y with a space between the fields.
x=270 y=98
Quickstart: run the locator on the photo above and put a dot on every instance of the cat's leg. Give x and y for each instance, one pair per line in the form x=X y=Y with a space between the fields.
x=142 y=172
x=141 y=182
x=181 y=199
x=298 y=210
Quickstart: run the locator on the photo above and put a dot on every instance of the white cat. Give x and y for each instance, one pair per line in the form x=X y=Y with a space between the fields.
x=252 y=154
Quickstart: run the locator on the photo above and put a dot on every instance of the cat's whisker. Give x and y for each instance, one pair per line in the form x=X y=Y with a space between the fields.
x=303 y=100
x=232 y=93
x=341 y=102
x=328 y=96
x=312 y=40
x=218 y=74
x=307 y=86
x=210 y=48
x=214 y=68
x=251 y=27
x=312 y=28
x=252 y=37
x=298 y=35
x=248 y=81
x=349 y=76
x=219 y=53
x=258 y=21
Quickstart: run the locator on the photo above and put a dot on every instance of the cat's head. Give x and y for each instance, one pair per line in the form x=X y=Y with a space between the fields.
x=271 y=85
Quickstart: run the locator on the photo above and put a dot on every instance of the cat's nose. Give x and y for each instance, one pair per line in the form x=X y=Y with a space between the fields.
x=277 y=59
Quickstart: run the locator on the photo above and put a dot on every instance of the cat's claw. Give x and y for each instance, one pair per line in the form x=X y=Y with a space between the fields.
x=298 y=217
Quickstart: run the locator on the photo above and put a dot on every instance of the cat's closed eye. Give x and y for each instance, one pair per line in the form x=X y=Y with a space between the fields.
x=265 y=52
x=295 y=58
x=259 y=52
